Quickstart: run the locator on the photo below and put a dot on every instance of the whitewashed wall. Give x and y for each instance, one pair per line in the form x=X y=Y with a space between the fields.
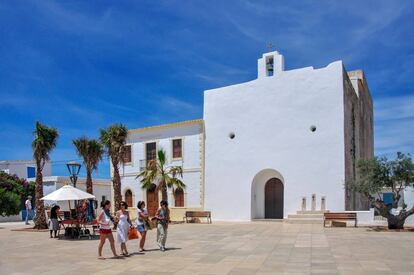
x=271 y=119
x=100 y=188
x=19 y=167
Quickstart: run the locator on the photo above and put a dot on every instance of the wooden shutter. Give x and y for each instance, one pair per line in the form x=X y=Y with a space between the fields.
x=177 y=148
x=127 y=154
x=151 y=151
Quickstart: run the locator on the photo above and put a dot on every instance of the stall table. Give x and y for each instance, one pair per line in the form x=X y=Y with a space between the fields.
x=81 y=227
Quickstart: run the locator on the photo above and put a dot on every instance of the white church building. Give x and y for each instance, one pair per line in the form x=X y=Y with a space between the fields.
x=263 y=145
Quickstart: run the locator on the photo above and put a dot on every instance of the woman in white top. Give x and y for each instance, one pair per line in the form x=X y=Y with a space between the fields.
x=124 y=223
x=142 y=218
x=105 y=231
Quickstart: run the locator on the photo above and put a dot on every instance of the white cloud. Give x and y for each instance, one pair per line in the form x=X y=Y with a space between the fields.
x=394 y=125
x=393 y=108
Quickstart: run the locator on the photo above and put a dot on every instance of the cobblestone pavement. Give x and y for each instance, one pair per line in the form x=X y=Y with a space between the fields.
x=220 y=248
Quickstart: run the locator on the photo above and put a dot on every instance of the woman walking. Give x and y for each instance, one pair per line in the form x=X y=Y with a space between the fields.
x=163 y=218
x=105 y=231
x=124 y=224
x=141 y=220
x=54 y=223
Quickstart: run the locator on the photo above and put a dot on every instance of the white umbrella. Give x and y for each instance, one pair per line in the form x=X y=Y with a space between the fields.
x=68 y=193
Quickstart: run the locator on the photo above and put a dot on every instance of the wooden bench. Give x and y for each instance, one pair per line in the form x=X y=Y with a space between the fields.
x=339 y=216
x=198 y=214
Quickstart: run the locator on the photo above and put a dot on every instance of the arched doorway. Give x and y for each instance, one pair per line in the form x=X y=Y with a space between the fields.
x=273 y=195
x=273 y=199
x=128 y=197
x=152 y=200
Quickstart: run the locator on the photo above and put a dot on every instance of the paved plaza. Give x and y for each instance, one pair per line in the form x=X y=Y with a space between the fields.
x=220 y=248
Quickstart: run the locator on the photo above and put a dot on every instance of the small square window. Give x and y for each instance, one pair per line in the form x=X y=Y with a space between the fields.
x=31 y=172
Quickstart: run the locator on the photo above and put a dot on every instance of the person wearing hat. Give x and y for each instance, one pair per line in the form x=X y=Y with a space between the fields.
x=28 y=205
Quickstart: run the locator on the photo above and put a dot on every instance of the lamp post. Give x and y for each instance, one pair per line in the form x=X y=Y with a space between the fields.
x=74 y=169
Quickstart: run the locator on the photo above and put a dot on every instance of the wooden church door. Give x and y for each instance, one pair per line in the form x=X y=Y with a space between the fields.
x=274 y=199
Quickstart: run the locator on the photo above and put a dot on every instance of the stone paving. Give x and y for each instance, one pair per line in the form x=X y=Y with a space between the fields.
x=220 y=248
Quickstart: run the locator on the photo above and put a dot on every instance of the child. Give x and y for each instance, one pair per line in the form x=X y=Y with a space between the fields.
x=54 y=223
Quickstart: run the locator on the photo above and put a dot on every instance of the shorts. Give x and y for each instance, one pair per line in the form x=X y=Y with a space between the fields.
x=141 y=228
x=105 y=231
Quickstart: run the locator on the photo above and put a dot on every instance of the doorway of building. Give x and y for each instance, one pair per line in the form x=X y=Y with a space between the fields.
x=274 y=199
x=128 y=198
x=152 y=200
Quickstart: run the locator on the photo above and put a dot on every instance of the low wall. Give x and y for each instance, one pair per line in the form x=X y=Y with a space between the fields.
x=364 y=217
x=14 y=218
x=176 y=213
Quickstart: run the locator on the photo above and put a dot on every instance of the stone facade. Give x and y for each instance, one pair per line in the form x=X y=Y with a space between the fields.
x=358 y=134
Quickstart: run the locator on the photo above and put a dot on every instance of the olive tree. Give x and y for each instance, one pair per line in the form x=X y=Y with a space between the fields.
x=380 y=174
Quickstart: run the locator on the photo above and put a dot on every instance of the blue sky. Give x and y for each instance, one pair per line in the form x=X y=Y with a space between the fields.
x=82 y=65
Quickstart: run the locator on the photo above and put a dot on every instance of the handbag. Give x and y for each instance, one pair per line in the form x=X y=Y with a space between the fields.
x=147 y=224
x=132 y=233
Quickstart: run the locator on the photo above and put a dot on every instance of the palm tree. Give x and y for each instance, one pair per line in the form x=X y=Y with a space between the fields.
x=91 y=150
x=114 y=138
x=43 y=143
x=157 y=172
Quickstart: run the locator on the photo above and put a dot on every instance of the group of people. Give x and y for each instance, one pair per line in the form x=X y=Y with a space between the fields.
x=124 y=225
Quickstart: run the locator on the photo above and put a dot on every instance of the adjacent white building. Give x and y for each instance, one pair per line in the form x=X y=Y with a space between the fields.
x=101 y=188
x=183 y=143
x=263 y=145
x=24 y=168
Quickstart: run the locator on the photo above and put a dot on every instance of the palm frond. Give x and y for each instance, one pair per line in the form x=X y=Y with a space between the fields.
x=157 y=172
x=44 y=142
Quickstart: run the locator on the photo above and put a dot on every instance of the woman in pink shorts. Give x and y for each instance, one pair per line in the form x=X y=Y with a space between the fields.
x=105 y=231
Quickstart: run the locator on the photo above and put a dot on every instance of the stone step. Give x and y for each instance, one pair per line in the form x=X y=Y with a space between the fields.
x=304 y=221
x=311 y=212
x=305 y=216
x=268 y=220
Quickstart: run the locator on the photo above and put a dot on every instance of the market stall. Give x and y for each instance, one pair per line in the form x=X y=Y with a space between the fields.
x=76 y=222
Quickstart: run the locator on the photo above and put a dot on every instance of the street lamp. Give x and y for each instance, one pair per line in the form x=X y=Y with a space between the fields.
x=74 y=169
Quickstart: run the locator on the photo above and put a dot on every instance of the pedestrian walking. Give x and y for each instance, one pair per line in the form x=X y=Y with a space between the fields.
x=124 y=224
x=29 y=210
x=105 y=232
x=163 y=218
x=141 y=221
